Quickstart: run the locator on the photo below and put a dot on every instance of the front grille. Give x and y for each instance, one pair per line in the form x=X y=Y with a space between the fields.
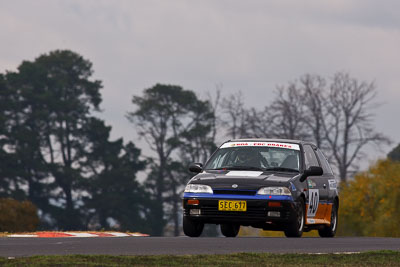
x=252 y=213
x=256 y=210
x=235 y=192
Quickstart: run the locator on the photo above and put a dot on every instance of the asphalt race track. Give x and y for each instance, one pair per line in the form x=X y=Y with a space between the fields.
x=17 y=247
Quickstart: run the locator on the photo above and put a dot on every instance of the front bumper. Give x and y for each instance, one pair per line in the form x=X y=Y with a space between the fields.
x=256 y=214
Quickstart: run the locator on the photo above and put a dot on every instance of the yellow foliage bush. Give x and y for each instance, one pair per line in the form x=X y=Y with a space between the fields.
x=17 y=216
x=370 y=204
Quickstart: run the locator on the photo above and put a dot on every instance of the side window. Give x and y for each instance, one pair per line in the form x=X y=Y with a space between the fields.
x=325 y=165
x=309 y=157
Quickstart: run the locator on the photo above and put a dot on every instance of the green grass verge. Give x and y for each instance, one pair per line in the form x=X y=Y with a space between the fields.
x=374 y=258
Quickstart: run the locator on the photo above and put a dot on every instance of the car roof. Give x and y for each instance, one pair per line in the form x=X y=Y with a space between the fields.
x=300 y=142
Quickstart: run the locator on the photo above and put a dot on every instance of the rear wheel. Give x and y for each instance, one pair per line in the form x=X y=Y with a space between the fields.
x=330 y=230
x=192 y=228
x=295 y=229
x=230 y=230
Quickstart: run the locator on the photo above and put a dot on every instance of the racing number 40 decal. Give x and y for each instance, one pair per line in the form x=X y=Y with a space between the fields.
x=313 y=201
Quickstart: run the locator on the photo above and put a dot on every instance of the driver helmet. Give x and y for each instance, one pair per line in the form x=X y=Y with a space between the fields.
x=244 y=156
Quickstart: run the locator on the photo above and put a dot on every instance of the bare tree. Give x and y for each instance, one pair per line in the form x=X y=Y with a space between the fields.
x=337 y=117
x=259 y=123
x=287 y=113
x=214 y=104
x=235 y=116
x=347 y=124
x=313 y=89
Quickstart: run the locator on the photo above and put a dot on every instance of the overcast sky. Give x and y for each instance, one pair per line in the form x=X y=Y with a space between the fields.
x=245 y=45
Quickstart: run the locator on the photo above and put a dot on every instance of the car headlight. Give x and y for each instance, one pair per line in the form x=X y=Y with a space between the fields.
x=277 y=191
x=198 y=188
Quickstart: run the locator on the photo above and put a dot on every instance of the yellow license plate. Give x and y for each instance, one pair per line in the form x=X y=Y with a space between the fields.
x=232 y=205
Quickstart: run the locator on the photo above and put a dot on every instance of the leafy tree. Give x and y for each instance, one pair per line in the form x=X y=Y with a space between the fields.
x=5 y=159
x=168 y=118
x=55 y=153
x=19 y=143
x=395 y=154
x=50 y=139
x=56 y=97
x=114 y=193
x=17 y=216
x=370 y=203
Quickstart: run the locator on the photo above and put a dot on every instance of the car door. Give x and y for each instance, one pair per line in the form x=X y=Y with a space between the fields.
x=331 y=183
x=317 y=188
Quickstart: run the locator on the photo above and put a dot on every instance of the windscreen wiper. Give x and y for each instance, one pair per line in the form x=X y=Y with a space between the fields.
x=281 y=169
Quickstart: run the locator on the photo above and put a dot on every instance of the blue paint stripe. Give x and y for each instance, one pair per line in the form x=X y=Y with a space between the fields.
x=226 y=196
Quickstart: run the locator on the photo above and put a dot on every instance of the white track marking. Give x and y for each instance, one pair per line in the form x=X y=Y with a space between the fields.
x=16 y=235
x=81 y=234
x=118 y=234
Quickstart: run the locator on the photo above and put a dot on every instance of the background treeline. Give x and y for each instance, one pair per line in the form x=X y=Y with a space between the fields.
x=56 y=153
x=371 y=202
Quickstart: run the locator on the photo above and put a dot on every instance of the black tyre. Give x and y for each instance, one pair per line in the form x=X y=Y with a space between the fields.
x=192 y=228
x=330 y=230
x=295 y=229
x=230 y=230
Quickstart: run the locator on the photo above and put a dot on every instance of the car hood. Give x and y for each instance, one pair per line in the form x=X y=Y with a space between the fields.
x=242 y=180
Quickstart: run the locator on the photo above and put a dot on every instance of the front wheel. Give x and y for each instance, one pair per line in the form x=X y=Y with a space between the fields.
x=230 y=230
x=192 y=228
x=295 y=229
x=330 y=230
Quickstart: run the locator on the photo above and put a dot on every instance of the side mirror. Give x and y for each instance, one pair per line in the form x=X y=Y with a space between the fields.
x=311 y=171
x=196 y=167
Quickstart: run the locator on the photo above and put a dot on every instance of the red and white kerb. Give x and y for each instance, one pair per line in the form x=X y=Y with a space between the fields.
x=266 y=144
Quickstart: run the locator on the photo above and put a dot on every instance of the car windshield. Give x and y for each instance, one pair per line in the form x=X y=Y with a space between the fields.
x=262 y=156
